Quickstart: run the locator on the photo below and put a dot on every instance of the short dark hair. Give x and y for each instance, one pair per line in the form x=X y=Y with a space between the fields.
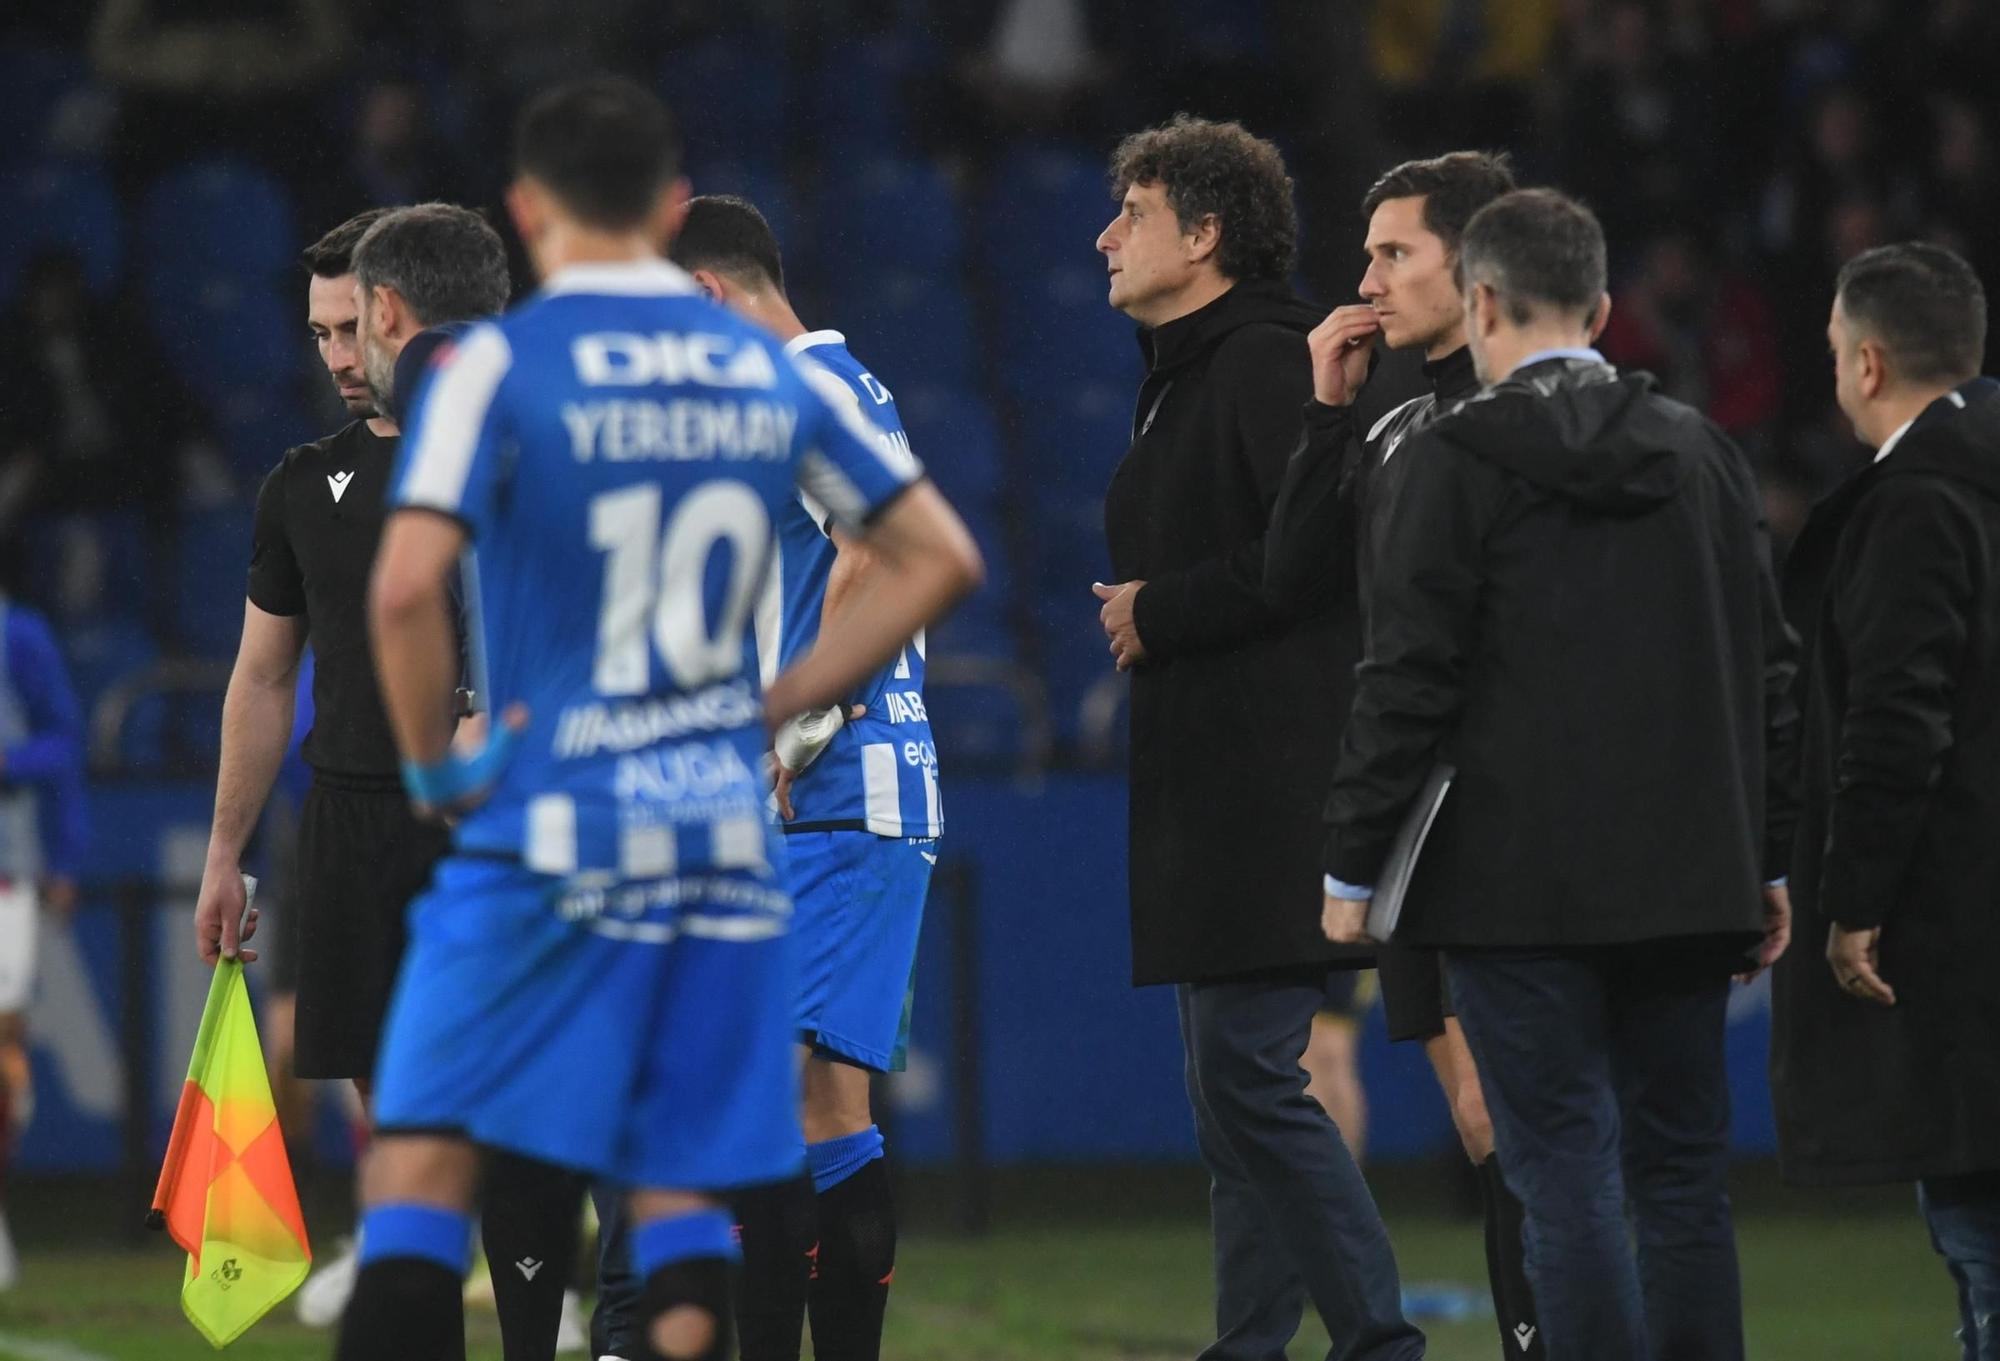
x=333 y=254
x=1218 y=169
x=1923 y=303
x=605 y=147
x=446 y=261
x=1536 y=249
x=1453 y=187
x=727 y=234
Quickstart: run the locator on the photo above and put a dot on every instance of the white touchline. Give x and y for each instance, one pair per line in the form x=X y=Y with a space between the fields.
x=43 y=1349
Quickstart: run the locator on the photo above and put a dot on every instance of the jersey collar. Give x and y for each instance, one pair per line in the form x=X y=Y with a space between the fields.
x=625 y=279
x=813 y=340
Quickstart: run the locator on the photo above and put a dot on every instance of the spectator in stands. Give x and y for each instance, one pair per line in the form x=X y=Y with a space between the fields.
x=41 y=848
x=1886 y=1066
x=1704 y=330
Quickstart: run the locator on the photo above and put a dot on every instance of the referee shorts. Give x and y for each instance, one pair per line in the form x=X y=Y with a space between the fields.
x=363 y=856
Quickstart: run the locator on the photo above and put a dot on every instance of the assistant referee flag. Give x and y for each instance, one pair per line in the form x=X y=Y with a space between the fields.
x=226 y=1193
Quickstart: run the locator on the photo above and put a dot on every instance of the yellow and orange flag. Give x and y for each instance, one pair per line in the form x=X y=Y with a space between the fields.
x=226 y=1193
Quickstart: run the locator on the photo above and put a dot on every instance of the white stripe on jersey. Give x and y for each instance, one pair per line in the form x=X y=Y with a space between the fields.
x=737 y=844
x=768 y=621
x=551 y=834
x=453 y=415
x=647 y=852
x=819 y=477
x=881 y=791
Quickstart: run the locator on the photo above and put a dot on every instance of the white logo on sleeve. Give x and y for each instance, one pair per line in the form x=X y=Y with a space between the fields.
x=1525 y=1335
x=528 y=1267
x=338 y=483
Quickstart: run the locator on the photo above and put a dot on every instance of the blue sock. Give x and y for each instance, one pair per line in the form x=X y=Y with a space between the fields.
x=835 y=1160
x=428 y=1232
x=681 y=1238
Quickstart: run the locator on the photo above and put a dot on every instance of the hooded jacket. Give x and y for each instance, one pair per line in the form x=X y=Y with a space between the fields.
x=1233 y=728
x=1576 y=611
x=1895 y=582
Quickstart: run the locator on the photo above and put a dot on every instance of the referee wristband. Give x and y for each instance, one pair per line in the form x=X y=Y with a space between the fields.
x=454 y=778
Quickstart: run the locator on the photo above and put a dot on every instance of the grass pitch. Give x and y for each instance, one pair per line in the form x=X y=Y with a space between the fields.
x=1824 y=1281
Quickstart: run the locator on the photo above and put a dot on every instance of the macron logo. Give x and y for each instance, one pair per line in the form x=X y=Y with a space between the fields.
x=1525 y=1335
x=528 y=1267
x=337 y=482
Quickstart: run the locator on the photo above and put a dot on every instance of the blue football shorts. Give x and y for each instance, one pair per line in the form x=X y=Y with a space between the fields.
x=860 y=908
x=637 y=1030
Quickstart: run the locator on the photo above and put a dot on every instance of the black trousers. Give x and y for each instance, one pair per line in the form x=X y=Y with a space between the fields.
x=1292 y=1218
x=1604 y=1074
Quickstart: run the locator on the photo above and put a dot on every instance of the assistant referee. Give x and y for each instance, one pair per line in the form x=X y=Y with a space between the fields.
x=362 y=853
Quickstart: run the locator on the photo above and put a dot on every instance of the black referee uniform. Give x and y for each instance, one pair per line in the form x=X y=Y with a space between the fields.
x=363 y=855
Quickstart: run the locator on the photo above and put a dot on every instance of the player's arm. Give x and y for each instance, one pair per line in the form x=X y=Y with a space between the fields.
x=410 y=625
x=256 y=729
x=52 y=754
x=922 y=559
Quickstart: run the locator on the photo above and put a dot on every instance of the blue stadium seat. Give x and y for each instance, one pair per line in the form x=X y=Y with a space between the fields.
x=860 y=94
x=257 y=427
x=1045 y=206
x=910 y=328
x=1075 y=435
x=209 y=579
x=33 y=82
x=1056 y=330
x=101 y=652
x=226 y=218
x=953 y=432
x=729 y=95
x=981 y=720
x=890 y=211
x=68 y=207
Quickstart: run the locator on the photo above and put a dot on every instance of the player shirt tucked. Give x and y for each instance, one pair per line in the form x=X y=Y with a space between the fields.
x=621 y=450
x=880 y=772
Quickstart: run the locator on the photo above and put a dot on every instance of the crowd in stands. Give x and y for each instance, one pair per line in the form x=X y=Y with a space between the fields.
x=936 y=171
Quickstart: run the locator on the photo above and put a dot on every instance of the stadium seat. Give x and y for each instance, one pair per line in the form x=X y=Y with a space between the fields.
x=860 y=94
x=1075 y=435
x=985 y=714
x=257 y=427
x=225 y=217
x=208 y=586
x=1045 y=206
x=1055 y=329
x=953 y=433
x=101 y=652
x=908 y=327
x=71 y=208
x=729 y=96
x=893 y=211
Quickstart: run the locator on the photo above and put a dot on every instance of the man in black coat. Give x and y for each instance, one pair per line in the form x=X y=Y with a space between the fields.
x=1333 y=509
x=1233 y=731
x=1575 y=612
x=1886 y=1067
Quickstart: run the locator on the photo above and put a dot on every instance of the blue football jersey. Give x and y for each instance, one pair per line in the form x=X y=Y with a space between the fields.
x=880 y=771
x=621 y=451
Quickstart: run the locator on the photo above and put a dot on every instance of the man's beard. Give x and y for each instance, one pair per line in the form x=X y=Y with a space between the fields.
x=378 y=370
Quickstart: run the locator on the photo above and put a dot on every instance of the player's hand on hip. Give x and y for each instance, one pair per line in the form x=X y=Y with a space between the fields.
x=1340 y=348
x=1344 y=921
x=220 y=924
x=1856 y=957
x=1121 y=625
x=453 y=785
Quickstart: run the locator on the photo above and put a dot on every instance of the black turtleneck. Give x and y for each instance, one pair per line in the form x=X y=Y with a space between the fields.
x=1452 y=378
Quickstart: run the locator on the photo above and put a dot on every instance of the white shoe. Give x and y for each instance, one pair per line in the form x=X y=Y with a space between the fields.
x=323 y=1298
x=571 y=1334
x=10 y=1261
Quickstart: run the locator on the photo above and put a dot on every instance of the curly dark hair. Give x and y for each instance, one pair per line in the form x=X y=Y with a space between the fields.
x=1223 y=170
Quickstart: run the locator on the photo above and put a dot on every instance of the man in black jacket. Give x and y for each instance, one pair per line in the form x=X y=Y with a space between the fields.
x=1232 y=732
x=1886 y=1067
x=1333 y=507
x=1575 y=611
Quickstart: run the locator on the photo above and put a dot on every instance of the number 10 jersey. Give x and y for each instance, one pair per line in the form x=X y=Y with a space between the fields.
x=619 y=450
